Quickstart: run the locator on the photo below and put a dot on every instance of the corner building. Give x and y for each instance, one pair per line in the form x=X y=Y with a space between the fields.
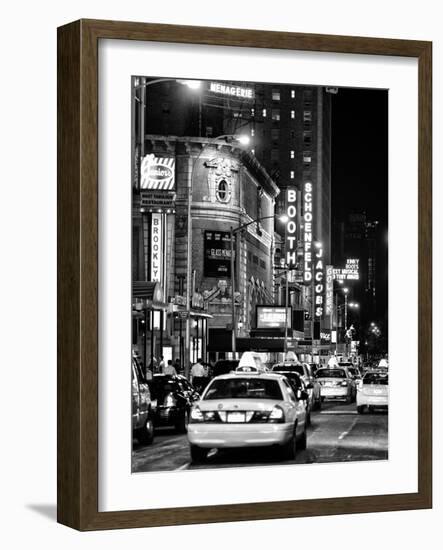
x=217 y=187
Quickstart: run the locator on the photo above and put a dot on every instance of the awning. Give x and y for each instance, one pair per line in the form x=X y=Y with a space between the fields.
x=149 y=291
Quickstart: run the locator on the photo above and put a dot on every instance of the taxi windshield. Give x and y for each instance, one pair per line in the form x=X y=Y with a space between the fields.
x=244 y=388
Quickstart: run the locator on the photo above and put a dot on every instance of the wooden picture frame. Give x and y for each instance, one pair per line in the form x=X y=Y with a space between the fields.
x=78 y=275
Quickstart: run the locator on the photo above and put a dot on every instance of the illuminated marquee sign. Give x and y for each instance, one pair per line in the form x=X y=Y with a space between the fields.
x=157 y=173
x=313 y=265
x=156 y=248
x=233 y=91
x=329 y=290
x=319 y=283
x=350 y=272
x=273 y=317
x=307 y=245
x=291 y=227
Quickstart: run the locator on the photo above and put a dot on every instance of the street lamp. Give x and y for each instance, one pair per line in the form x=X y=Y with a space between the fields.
x=234 y=231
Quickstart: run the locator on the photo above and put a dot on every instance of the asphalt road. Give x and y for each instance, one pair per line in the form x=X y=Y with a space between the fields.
x=337 y=434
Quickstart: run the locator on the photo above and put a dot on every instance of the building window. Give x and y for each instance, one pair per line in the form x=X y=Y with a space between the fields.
x=275 y=134
x=292 y=174
x=275 y=155
x=293 y=114
x=252 y=132
x=262 y=264
x=275 y=94
x=292 y=134
x=275 y=114
x=307 y=116
x=252 y=112
x=307 y=139
x=292 y=154
x=264 y=113
x=255 y=259
x=222 y=191
x=292 y=94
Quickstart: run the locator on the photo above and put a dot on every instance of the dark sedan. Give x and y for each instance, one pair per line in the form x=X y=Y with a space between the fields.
x=172 y=398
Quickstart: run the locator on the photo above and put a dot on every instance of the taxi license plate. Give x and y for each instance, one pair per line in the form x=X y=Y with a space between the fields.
x=236 y=417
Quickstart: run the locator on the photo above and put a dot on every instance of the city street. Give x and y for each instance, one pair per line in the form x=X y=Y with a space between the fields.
x=337 y=434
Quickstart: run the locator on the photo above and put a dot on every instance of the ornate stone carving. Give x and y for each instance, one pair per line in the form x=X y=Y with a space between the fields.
x=220 y=179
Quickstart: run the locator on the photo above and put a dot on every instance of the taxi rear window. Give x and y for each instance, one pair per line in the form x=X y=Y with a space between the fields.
x=330 y=373
x=244 y=388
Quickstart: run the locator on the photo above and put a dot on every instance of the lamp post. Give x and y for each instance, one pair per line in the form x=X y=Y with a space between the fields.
x=233 y=232
x=285 y=270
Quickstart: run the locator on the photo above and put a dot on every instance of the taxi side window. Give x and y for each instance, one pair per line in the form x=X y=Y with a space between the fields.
x=290 y=391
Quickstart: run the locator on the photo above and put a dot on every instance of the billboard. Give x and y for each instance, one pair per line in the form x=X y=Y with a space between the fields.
x=217 y=254
x=350 y=272
x=274 y=317
x=157 y=173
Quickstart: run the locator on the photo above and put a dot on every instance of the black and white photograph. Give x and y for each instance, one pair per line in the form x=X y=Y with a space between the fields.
x=259 y=274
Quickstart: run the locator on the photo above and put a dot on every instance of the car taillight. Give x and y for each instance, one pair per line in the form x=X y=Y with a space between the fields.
x=169 y=400
x=196 y=415
x=277 y=415
x=203 y=416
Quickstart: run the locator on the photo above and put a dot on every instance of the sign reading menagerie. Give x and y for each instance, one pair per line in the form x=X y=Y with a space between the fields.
x=235 y=91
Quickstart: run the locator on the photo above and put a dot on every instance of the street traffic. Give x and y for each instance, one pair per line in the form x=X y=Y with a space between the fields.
x=255 y=415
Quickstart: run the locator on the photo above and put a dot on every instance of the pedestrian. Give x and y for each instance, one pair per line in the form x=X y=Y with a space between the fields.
x=162 y=365
x=198 y=375
x=332 y=362
x=177 y=365
x=169 y=369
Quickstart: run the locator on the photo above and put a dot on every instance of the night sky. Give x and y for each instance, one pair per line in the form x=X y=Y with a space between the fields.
x=360 y=154
x=359 y=171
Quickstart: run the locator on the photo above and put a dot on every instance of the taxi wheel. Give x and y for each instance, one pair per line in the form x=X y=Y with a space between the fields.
x=145 y=435
x=289 y=449
x=198 y=454
x=302 y=442
x=360 y=409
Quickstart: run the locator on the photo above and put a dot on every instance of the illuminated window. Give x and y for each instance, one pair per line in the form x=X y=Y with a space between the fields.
x=252 y=112
x=275 y=94
x=292 y=154
x=263 y=112
x=292 y=175
x=292 y=114
x=307 y=116
x=252 y=132
x=293 y=94
x=275 y=114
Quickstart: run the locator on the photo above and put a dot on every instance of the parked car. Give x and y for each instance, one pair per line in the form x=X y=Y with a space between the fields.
x=142 y=416
x=172 y=397
x=303 y=369
x=336 y=383
x=373 y=391
x=248 y=409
